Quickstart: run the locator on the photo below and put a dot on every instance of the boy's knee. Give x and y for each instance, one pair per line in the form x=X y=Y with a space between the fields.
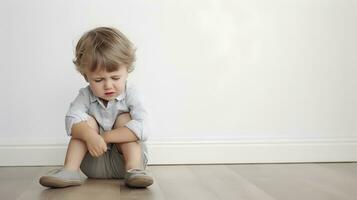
x=122 y=119
x=93 y=123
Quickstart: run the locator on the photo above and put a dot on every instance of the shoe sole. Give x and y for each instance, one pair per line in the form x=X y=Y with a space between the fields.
x=140 y=182
x=57 y=183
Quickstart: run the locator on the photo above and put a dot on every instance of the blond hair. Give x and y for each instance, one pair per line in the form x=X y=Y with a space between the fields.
x=104 y=48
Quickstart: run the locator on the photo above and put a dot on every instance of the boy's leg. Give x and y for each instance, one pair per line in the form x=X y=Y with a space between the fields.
x=131 y=151
x=135 y=175
x=69 y=175
x=75 y=153
x=132 y=155
x=77 y=149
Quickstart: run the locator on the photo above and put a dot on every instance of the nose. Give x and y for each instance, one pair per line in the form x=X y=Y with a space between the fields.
x=107 y=84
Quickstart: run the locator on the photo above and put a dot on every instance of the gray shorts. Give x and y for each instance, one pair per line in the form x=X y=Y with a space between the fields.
x=109 y=165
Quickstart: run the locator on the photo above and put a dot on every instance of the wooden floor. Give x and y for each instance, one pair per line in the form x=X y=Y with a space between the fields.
x=184 y=182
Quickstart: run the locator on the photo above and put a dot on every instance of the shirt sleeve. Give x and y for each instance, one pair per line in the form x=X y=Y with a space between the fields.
x=78 y=110
x=140 y=121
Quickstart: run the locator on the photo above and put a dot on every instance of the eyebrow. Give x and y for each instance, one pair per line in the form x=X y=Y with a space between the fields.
x=100 y=77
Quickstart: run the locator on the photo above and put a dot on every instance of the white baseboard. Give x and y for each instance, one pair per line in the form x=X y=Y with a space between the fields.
x=199 y=152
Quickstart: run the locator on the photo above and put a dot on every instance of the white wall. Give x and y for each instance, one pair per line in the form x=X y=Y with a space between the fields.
x=210 y=70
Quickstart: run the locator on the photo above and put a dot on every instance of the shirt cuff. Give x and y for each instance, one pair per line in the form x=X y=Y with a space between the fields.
x=74 y=119
x=137 y=128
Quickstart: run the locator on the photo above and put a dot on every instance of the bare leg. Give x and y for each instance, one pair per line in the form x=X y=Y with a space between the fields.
x=132 y=155
x=130 y=150
x=77 y=149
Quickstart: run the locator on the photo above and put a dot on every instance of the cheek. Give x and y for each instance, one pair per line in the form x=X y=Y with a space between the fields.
x=95 y=88
x=120 y=85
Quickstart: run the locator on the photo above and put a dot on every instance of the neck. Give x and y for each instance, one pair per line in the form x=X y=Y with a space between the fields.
x=105 y=102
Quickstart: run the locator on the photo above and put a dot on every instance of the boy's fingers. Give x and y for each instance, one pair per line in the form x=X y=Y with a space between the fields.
x=94 y=153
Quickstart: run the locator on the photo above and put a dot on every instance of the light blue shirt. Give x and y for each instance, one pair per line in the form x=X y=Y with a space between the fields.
x=87 y=104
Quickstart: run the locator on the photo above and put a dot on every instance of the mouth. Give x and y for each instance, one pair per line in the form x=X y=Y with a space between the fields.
x=109 y=93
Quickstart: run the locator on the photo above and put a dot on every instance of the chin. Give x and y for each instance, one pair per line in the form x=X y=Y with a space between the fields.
x=109 y=99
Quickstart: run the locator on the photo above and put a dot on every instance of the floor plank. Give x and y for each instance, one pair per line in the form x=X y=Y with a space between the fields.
x=324 y=179
x=347 y=170
x=288 y=181
x=179 y=182
x=15 y=180
x=320 y=181
x=226 y=184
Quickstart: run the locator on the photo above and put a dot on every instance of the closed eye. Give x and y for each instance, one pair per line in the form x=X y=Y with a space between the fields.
x=98 y=80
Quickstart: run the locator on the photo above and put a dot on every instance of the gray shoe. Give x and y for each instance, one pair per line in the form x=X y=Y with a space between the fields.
x=61 y=178
x=137 y=178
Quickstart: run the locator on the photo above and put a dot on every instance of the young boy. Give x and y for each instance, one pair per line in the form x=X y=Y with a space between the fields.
x=107 y=121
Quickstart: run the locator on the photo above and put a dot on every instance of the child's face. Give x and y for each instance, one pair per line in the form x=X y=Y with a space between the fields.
x=107 y=85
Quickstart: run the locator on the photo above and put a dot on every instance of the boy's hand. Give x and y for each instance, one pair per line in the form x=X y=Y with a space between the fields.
x=96 y=145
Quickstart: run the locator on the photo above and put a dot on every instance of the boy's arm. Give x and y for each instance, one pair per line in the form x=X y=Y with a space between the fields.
x=78 y=110
x=95 y=143
x=77 y=127
x=82 y=131
x=120 y=135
